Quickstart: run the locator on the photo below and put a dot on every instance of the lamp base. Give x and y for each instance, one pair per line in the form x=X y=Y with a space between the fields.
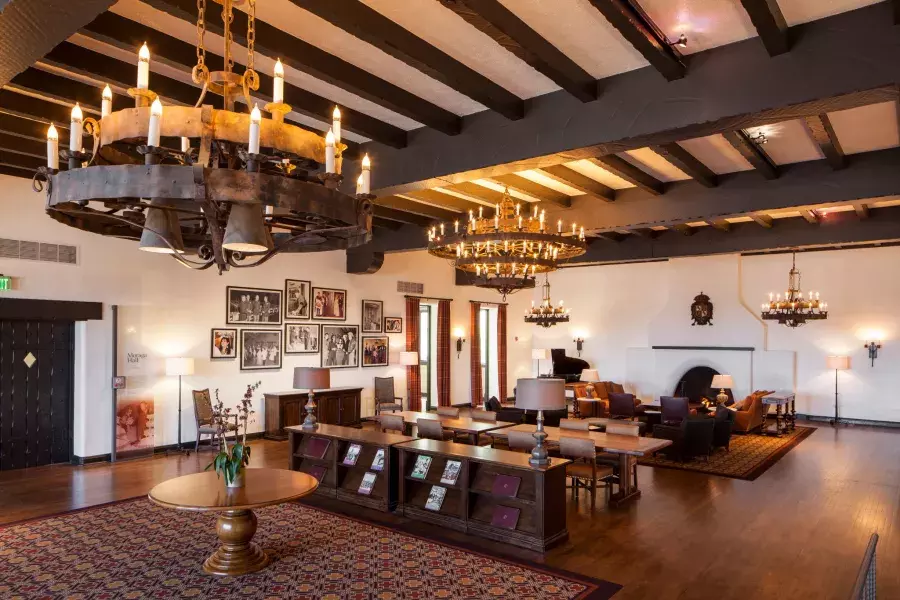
x=722 y=398
x=539 y=455
x=310 y=421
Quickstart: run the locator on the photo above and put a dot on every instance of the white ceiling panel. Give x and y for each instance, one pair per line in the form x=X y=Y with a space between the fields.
x=650 y=162
x=866 y=128
x=445 y=30
x=788 y=142
x=541 y=179
x=583 y=34
x=717 y=153
x=706 y=23
x=500 y=187
x=803 y=11
x=589 y=169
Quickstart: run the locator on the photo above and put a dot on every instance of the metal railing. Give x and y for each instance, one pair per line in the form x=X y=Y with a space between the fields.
x=865 y=578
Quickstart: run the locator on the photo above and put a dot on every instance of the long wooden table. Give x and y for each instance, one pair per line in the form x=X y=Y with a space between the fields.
x=465 y=425
x=625 y=446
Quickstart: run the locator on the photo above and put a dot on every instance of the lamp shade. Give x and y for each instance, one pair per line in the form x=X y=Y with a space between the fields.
x=179 y=366
x=161 y=226
x=246 y=230
x=590 y=375
x=409 y=359
x=840 y=363
x=312 y=378
x=721 y=382
x=540 y=354
x=541 y=394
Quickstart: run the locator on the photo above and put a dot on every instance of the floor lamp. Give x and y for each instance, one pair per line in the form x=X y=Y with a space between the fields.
x=838 y=363
x=180 y=366
x=539 y=354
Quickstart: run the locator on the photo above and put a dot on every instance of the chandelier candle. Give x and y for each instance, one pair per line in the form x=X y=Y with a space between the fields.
x=336 y=124
x=106 y=104
x=155 y=118
x=143 y=74
x=52 y=148
x=75 y=129
x=366 y=175
x=278 y=83
x=255 y=118
x=185 y=144
x=329 y=152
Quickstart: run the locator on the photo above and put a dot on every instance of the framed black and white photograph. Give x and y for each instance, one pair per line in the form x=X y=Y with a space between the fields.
x=252 y=306
x=393 y=325
x=260 y=349
x=340 y=346
x=301 y=339
x=296 y=299
x=329 y=304
x=223 y=344
x=375 y=351
x=372 y=316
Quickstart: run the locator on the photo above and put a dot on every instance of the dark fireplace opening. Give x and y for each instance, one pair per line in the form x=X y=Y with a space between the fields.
x=694 y=385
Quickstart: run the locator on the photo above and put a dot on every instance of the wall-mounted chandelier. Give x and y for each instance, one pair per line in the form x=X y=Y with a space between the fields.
x=794 y=310
x=546 y=315
x=507 y=251
x=218 y=197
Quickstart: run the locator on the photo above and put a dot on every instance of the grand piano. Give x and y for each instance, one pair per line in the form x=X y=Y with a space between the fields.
x=567 y=367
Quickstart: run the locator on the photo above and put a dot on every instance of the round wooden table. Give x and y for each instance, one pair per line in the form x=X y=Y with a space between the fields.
x=204 y=492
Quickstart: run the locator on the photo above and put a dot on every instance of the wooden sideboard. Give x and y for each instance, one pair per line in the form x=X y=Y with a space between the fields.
x=334 y=406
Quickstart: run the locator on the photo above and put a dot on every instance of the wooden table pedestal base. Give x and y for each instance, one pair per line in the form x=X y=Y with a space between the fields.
x=237 y=555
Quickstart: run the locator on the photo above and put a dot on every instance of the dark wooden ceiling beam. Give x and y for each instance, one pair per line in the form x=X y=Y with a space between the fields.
x=26 y=128
x=22 y=160
x=310 y=59
x=369 y=25
x=823 y=134
x=476 y=191
x=685 y=229
x=24 y=146
x=393 y=214
x=720 y=224
x=762 y=220
x=636 y=27
x=445 y=200
x=645 y=232
x=411 y=206
x=770 y=24
x=44 y=111
x=386 y=223
x=16 y=171
x=582 y=183
x=56 y=87
x=536 y=190
x=630 y=173
x=811 y=216
x=862 y=210
x=498 y=22
x=753 y=153
x=686 y=161
x=611 y=236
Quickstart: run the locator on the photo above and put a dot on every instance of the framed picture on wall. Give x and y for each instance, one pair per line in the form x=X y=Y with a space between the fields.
x=375 y=351
x=223 y=344
x=260 y=349
x=372 y=316
x=393 y=325
x=329 y=304
x=340 y=346
x=301 y=339
x=252 y=306
x=296 y=299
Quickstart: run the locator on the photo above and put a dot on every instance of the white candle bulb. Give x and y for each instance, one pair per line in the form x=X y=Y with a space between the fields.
x=456 y=226
x=442 y=229
x=156 y=110
x=559 y=226
x=517 y=209
x=75 y=128
x=106 y=102
x=278 y=83
x=359 y=185
x=573 y=228
x=582 y=232
x=143 y=74
x=52 y=148
x=520 y=222
x=336 y=124
x=255 y=120
x=480 y=212
x=366 y=174
x=185 y=144
x=329 y=152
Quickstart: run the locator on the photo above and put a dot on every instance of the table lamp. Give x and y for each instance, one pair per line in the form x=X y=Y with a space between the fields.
x=311 y=378
x=590 y=376
x=409 y=359
x=722 y=382
x=540 y=354
x=540 y=395
x=178 y=366
x=838 y=363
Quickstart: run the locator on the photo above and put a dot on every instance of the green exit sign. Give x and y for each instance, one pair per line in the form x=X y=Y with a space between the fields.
x=5 y=283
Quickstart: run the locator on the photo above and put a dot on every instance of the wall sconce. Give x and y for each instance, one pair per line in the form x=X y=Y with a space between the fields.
x=579 y=344
x=872 y=347
x=460 y=334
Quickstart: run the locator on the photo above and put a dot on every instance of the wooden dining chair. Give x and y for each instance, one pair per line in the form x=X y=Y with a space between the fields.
x=392 y=423
x=448 y=411
x=483 y=415
x=584 y=470
x=431 y=429
x=621 y=428
x=204 y=416
x=574 y=424
x=520 y=441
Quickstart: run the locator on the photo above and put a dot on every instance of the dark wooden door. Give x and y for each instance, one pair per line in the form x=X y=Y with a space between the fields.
x=349 y=409
x=36 y=387
x=328 y=409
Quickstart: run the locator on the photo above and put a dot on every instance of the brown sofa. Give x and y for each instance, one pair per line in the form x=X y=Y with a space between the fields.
x=602 y=389
x=751 y=413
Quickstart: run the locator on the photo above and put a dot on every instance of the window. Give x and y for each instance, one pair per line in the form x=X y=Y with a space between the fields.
x=484 y=328
x=425 y=355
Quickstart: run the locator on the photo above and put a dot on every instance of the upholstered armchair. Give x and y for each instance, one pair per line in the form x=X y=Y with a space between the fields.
x=675 y=409
x=204 y=416
x=599 y=407
x=750 y=413
x=622 y=406
x=692 y=437
x=385 y=397
x=722 y=433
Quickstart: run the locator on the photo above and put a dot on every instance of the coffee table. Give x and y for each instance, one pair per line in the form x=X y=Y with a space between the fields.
x=205 y=492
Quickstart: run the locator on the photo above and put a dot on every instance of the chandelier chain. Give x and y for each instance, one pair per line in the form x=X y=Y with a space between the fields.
x=200 y=73
x=227 y=20
x=251 y=33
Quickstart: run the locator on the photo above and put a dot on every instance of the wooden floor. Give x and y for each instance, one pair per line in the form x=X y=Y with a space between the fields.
x=798 y=531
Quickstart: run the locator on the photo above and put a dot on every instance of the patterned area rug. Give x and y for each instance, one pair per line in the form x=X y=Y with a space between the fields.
x=750 y=455
x=135 y=549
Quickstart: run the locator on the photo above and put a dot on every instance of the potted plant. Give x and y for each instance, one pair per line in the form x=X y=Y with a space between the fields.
x=231 y=461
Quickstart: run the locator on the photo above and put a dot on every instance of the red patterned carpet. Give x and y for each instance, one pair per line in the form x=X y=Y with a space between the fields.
x=137 y=550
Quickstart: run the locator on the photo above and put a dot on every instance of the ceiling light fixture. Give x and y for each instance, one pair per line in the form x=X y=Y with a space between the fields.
x=547 y=315
x=794 y=310
x=759 y=138
x=681 y=42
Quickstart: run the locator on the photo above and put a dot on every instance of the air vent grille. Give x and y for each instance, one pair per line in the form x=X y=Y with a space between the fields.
x=409 y=287
x=26 y=250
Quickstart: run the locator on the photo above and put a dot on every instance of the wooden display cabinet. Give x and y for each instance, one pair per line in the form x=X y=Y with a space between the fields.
x=334 y=406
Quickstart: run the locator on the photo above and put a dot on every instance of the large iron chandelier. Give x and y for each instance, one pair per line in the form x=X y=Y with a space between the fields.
x=219 y=199
x=794 y=310
x=507 y=251
x=546 y=315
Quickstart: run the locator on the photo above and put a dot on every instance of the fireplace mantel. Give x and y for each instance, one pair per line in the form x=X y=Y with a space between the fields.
x=718 y=348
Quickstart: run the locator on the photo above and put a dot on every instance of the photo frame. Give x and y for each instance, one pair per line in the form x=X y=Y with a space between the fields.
x=252 y=306
x=302 y=338
x=297 y=299
x=393 y=325
x=223 y=344
x=339 y=346
x=261 y=349
x=375 y=351
x=372 y=316
x=329 y=304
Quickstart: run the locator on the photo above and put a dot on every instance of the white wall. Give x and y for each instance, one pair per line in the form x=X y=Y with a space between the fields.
x=169 y=310
x=623 y=310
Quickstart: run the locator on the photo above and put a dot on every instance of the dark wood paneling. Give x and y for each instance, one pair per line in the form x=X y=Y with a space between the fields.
x=25 y=309
x=770 y=24
x=755 y=155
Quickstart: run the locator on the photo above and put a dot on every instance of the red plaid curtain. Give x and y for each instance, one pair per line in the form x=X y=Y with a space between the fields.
x=413 y=375
x=501 y=351
x=475 y=356
x=443 y=353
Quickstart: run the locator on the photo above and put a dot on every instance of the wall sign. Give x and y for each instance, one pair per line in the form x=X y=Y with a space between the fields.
x=5 y=283
x=701 y=310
